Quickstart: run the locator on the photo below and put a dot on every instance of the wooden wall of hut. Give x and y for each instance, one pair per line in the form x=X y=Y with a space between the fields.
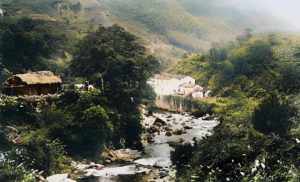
x=38 y=89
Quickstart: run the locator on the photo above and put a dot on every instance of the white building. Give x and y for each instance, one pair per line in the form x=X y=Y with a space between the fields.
x=173 y=85
x=198 y=95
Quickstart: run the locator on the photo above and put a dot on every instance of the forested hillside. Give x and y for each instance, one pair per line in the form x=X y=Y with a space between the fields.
x=167 y=28
x=177 y=26
x=255 y=84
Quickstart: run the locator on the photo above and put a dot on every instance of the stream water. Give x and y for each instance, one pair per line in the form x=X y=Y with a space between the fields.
x=155 y=164
x=163 y=130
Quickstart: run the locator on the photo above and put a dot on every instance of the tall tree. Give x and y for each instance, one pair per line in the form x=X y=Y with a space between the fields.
x=114 y=57
x=113 y=60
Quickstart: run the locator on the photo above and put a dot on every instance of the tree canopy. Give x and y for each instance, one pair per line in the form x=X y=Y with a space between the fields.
x=113 y=58
x=26 y=44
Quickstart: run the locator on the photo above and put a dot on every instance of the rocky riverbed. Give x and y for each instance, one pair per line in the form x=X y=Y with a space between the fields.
x=162 y=131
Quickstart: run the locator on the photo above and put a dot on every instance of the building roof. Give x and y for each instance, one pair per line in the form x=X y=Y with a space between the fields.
x=40 y=77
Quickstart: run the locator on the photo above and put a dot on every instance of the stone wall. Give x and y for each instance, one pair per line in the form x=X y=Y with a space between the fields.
x=175 y=103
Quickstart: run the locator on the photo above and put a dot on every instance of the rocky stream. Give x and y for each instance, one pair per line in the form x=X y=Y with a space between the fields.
x=163 y=131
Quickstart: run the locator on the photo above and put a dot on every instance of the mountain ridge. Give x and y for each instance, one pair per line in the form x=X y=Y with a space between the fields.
x=168 y=28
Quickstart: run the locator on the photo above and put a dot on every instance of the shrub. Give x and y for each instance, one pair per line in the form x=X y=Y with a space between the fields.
x=274 y=115
x=39 y=153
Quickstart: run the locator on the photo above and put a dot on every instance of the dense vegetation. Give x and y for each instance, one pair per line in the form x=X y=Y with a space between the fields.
x=255 y=82
x=27 y=43
x=45 y=135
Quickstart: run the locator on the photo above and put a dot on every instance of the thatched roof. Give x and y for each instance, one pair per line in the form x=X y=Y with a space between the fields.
x=40 y=77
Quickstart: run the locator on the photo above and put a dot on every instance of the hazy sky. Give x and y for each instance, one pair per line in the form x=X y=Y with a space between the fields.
x=288 y=10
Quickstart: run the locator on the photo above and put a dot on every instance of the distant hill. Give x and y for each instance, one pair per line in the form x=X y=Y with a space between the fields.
x=178 y=26
x=169 y=28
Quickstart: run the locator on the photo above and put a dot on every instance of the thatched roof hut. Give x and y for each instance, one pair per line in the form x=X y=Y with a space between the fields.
x=40 y=77
x=34 y=83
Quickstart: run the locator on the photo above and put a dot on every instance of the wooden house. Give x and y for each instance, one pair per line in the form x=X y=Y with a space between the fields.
x=34 y=83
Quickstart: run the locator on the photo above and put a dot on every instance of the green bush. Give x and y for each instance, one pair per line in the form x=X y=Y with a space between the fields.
x=14 y=111
x=11 y=172
x=274 y=115
x=39 y=153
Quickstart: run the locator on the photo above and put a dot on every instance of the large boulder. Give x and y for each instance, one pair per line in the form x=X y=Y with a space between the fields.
x=122 y=155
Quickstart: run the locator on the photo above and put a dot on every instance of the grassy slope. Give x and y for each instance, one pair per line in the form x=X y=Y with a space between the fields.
x=168 y=28
x=176 y=26
x=76 y=24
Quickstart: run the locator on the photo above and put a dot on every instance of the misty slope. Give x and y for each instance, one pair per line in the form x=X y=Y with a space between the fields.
x=170 y=23
x=169 y=28
x=74 y=11
x=188 y=25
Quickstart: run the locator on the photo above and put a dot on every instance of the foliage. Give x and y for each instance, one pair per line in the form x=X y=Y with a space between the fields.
x=257 y=79
x=4 y=74
x=48 y=133
x=26 y=43
x=114 y=57
x=14 y=112
x=89 y=124
x=11 y=172
x=118 y=65
x=39 y=153
x=255 y=66
x=274 y=115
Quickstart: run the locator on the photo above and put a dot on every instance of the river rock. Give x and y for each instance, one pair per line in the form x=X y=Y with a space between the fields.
x=153 y=129
x=159 y=122
x=168 y=133
x=92 y=165
x=150 y=113
x=179 y=132
x=208 y=117
x=168 y=129
x=181 y=140
x=129 y=170
x=150 y=139
x=163 y=174
x=122 y=155
x=59 y=178
x=188 y=127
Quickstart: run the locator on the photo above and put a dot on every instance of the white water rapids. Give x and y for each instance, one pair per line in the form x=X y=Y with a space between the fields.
x=155 y=164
